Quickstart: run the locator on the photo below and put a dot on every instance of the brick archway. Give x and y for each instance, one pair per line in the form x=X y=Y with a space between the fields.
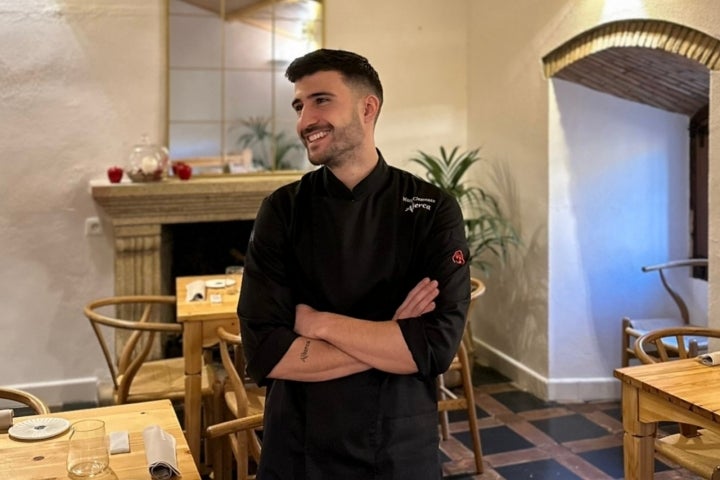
x=655 y=62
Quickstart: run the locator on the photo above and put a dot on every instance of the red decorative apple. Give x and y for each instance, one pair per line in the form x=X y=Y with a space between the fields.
x=115 y=174
x=183 y=170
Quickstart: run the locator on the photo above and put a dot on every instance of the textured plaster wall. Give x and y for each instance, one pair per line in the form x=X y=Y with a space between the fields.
x=80 y=81
x=509 y=115
x=419 y=49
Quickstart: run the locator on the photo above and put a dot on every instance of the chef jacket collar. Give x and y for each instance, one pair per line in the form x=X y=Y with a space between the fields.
x=368 y=185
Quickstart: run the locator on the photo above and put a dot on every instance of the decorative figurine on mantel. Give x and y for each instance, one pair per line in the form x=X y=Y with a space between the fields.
x=148 y=162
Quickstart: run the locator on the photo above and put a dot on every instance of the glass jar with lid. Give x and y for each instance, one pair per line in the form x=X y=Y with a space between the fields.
x=148 y=162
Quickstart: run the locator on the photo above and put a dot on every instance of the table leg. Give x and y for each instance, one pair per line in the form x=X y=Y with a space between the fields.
x=639 y=438
x=192 y=351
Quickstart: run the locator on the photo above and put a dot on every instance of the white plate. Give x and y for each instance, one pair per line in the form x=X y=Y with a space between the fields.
x=39 y=428
x=221 y=283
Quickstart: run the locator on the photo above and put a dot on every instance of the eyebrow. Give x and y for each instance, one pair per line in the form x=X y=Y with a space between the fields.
x=296 y=101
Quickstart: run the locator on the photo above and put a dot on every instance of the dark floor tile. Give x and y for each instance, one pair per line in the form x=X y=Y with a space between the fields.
x=538 y=470
x=615 y=413
x=461 y=415
x=518 y=401
x=610 y=461
x=569 y=428
x=486 y=376
x=495 y=440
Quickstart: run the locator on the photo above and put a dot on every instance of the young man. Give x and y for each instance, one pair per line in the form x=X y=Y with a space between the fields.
x=339 y=315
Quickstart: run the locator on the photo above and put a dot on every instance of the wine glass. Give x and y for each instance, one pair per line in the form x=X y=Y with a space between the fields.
x=232 y=278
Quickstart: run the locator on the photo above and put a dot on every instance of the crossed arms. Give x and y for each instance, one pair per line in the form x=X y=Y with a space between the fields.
x=333 y=346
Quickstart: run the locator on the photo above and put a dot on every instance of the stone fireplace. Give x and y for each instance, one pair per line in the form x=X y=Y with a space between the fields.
x=138 y=212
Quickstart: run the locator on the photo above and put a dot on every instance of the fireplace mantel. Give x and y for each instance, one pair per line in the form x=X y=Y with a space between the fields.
x=137 y=212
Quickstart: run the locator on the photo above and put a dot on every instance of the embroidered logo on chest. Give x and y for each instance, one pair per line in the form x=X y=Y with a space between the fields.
x=418 y=203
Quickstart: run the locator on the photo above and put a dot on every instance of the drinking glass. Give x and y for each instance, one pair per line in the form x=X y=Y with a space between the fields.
x=88 y=449
x=233 y=273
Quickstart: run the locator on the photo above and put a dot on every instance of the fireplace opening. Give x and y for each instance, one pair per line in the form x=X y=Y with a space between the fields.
x=206 y=248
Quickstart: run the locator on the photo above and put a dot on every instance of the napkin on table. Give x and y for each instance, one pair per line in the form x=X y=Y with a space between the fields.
x=195 y=291
x=160 y=453
x=119 y=442
x=6 y=419
x=710 y=359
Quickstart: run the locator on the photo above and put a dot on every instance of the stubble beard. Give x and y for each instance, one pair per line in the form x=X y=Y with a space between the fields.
x=345 y=142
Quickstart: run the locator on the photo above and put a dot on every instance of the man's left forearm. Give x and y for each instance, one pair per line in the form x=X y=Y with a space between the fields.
x=380 y=344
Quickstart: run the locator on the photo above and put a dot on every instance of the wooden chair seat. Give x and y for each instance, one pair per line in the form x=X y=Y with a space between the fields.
x=164 y=379
x=702 y=452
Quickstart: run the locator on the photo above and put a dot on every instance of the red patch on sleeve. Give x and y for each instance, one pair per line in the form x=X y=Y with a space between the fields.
x=458 y=257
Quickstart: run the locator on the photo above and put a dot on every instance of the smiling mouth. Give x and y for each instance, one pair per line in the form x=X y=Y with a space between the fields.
x=313 y=137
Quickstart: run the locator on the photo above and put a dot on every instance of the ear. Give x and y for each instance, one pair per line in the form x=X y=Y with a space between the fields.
x=371 y=109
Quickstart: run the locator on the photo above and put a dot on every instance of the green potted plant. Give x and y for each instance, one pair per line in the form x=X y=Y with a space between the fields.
x=489 y=232
x=269 y=148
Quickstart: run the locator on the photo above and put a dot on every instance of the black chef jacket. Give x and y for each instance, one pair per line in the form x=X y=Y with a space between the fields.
x=355 y=253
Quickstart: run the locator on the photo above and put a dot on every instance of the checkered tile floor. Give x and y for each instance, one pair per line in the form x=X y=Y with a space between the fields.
x=526 y=438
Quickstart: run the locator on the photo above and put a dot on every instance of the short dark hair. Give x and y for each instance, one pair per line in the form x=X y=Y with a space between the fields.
x=353 y=67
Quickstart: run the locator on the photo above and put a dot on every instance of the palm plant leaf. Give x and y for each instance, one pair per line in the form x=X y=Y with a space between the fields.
x=487 y=230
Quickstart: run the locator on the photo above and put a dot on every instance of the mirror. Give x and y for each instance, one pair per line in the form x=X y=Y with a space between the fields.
x=229 y=100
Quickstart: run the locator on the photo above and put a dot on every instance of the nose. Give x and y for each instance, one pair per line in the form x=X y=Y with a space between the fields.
x=306 y=118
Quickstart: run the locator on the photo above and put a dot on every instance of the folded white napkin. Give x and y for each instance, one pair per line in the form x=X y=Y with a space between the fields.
x=195 y=291
x=711 y=358
x=119 y=442
x=160 y=453
x=6 y=419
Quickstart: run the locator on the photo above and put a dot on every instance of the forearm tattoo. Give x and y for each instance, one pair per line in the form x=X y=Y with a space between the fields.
x=304 y=354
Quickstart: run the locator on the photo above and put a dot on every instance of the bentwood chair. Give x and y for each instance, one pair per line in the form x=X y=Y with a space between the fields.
x=633 y=328
x=461 y=396
x=245 y=405
x=138 y=374
x=696 y=449
x=27 y=399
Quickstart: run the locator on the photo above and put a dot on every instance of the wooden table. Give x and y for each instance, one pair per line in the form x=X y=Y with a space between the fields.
x=45 y=459
x=679 y=391
x=200 y=319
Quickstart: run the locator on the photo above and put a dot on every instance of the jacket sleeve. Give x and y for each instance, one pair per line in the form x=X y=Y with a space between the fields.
x=433 y=339
x=266 y=309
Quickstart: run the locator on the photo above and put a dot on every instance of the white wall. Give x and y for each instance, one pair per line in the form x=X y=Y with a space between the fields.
x=619 y=196
x=80 y=81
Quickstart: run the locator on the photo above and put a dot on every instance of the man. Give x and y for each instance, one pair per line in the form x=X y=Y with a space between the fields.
x=340 y=317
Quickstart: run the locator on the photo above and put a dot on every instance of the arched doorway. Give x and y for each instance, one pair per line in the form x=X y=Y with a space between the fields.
x=656 y=63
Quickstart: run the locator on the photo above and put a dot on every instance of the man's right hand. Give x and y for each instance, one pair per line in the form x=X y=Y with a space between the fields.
x=420 y=300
